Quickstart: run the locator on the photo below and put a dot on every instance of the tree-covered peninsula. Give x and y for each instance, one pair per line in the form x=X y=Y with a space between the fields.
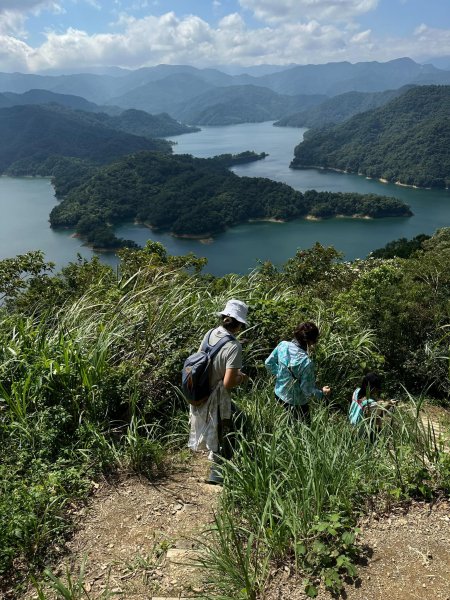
x=195 y=197
x=406 y=141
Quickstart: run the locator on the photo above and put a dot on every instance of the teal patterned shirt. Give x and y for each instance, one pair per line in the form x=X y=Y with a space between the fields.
x=294 y=371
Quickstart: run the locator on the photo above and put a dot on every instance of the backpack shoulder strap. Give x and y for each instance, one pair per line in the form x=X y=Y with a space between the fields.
x=206 y=346
x=212 y=350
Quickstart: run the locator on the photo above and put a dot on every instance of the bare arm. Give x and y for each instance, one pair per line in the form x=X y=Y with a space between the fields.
x=233 y=378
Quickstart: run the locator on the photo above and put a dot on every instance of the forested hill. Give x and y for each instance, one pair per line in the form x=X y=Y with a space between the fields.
x=8 y=99
x=31 y=134
x=339 y=108
x=139 y=122
x=195 y=197
x=405 y=141
x=241 y=104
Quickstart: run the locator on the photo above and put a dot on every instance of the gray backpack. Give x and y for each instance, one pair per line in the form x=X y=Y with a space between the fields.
x=195 y=373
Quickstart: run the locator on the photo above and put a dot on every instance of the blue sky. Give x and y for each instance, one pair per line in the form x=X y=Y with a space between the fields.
x=36 y=35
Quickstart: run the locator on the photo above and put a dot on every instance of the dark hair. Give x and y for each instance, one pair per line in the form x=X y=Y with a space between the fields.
x=371 y=382
x=306 y=333
x=229 y=323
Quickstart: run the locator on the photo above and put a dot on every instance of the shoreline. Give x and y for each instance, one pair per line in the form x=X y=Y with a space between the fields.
x=267 y=220
x=355 y=216
x=209 y=238
x=50 y=177
x=380 y=179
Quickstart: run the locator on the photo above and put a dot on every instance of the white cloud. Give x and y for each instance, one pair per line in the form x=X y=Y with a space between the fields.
x=274 y=11
x=362 y=37
x=12 y=24
x=13 y=14
x=191 y=40
x=14 y=54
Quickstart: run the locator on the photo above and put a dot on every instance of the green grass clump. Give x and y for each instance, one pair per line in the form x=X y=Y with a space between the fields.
x=294 y=491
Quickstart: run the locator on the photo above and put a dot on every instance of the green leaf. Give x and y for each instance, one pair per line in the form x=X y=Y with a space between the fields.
x=301 y=549
x=311 y=591
x=348 y=537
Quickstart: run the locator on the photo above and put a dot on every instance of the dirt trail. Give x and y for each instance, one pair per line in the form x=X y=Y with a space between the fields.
x=139 y=538
x=407 y=558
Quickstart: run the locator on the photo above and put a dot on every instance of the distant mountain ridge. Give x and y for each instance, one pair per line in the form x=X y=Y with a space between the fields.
x=240 y=104
x=164 y=88
x=406 y=141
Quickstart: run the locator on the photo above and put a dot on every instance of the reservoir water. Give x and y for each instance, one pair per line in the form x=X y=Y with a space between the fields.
x=26 y=203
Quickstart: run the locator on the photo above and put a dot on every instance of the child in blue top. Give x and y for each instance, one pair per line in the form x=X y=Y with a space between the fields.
x=366 y=402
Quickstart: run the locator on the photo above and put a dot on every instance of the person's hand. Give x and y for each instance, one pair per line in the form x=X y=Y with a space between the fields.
x=326 y=390
x=244 y=378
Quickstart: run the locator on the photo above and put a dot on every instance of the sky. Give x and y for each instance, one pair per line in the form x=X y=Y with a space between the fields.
x=40 y=35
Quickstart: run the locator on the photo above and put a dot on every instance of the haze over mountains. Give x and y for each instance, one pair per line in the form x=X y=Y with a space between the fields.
x=210 y=96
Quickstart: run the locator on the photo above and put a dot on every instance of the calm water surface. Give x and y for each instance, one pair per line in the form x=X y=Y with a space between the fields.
x=26 y=203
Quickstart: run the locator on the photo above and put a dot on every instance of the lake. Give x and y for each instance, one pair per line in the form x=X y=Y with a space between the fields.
x=26 y=203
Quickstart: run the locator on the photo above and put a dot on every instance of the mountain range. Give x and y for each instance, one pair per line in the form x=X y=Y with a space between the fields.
x=339 y=108
x=175 y=88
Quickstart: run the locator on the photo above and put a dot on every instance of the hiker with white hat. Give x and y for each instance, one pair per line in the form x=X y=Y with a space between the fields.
x=211 y=421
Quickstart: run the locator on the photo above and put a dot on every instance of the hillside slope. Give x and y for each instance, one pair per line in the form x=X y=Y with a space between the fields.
x=241 y=104
x=406 y=141
x=339 y=108
x=33 y=133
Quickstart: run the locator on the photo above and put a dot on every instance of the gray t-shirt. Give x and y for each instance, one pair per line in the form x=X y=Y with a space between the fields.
x=228 y=357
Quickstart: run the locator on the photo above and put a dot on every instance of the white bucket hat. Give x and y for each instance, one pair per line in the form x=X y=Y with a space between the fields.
x=236 y=309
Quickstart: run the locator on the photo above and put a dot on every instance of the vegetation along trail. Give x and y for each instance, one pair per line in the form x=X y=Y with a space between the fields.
x=91 y=420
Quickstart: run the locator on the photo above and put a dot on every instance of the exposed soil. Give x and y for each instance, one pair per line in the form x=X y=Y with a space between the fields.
x=407 y=558
x=138 y=539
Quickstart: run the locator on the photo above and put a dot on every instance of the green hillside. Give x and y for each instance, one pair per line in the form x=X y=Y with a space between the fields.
x=406 y=141
x=338 y=109
x=31 y=134
x=241 y=104
x=139 y=122
x=46 y=97
x=136 y=122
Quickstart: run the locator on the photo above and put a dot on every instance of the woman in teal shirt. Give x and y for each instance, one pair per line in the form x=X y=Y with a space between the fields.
x=294 y=370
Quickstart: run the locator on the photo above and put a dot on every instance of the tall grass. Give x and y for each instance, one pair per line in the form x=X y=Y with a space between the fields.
x=89 y=386
x=292 y=484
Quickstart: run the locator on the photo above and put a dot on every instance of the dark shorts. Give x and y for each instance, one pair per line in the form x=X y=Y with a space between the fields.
x=299 y=412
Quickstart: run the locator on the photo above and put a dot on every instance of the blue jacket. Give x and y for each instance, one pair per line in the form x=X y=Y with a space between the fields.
x=358 y=408
x=294 y=370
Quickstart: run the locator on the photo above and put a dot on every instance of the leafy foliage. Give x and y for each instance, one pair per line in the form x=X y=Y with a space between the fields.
x=89 y=366
x=402 y=247
x=405 y=141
